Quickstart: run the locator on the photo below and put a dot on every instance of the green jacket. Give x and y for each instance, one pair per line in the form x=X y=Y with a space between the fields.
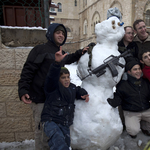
x=142 y=44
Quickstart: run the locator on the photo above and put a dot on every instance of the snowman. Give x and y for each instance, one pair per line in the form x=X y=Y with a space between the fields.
x=96 y=124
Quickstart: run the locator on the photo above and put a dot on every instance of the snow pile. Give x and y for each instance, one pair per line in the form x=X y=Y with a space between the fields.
x=25 y=145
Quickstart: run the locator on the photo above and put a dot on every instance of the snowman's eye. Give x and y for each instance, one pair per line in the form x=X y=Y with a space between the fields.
x=113 y=27
x=113 y=22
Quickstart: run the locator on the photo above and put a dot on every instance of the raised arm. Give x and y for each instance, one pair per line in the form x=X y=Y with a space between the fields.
x=52 y=79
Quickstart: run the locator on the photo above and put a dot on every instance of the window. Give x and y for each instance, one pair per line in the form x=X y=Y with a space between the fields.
x=68 y=31
x=52 y=9
x=95 y=20
x=85 y=27
x=84 y=2
x=75 y=2
x=59 y=7
x=147 y=17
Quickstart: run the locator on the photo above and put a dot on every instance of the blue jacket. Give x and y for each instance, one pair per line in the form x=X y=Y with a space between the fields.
x=59 y=105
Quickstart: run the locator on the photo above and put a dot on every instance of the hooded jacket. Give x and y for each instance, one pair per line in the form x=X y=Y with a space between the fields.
x=35 y=69
x=59 y=105
x=132 y=94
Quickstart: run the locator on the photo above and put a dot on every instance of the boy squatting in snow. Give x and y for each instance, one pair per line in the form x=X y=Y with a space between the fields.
x=133 y=95
x=58 y=111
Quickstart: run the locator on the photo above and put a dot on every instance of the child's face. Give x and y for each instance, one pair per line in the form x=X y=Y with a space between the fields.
x=146 y=59
x=136 y=71
x=65 y=80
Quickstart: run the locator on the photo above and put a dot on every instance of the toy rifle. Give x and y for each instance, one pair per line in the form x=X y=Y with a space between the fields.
x=109 y=62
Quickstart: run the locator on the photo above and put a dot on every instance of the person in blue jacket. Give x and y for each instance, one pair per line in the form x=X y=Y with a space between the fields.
x=58 y=110
x=34 y=72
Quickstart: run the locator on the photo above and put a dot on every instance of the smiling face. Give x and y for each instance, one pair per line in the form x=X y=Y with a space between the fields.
x=65 y=80
x=146 y=59
x=135 y=71
x=129 y=35
x=141 y=30
x=59 y=37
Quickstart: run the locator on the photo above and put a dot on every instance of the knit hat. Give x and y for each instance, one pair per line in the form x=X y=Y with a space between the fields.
x=60 y=28
x=64 y=70
x=130 y=64
x=114 y=12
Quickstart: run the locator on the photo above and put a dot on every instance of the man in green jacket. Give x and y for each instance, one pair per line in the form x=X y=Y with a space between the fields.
x=142 y=37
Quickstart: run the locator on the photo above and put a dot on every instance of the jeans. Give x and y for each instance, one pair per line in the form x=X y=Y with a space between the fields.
x=59 y=136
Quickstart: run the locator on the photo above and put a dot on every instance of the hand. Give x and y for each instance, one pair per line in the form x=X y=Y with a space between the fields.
x=26 y=99
x=59 y=56
x=86 y=97
x=84 y=50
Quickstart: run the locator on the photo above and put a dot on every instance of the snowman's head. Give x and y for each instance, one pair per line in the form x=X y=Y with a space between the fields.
x=110 y=30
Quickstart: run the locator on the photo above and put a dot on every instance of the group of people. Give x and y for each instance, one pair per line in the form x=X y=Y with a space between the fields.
x=45 y=85
x=132 y=93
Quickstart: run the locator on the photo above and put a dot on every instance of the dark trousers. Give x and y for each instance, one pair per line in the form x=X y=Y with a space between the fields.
x=59 y=136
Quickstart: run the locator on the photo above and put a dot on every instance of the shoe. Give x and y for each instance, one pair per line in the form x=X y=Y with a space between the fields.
x=133 y=136
x=146 y=132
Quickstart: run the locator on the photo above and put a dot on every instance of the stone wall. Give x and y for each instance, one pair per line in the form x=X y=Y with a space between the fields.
x=16 y=123
x=15 y=37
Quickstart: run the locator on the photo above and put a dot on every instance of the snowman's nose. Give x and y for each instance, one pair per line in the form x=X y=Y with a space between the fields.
x=120 y=24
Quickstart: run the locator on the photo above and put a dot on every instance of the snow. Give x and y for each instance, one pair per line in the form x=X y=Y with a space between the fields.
x=96 y=124
x=25 y=145
x=29 y=28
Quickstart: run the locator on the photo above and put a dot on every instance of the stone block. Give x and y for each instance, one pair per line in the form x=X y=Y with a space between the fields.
x=18 y=109
x=9 y=77
x=9 y=93
x=32 y=123
x=21 y=136
x=21 y=56
x=7 y=137
x=2 y=110
x=7 y=59
x=15 y=124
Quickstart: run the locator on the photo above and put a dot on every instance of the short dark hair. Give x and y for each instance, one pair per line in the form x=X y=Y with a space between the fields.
x=127 y=27
x=64 y=70
x=141 y=52
x=137 y=22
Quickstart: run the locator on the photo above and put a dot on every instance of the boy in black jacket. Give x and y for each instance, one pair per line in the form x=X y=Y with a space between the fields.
x=133 y=95
x=58 y=111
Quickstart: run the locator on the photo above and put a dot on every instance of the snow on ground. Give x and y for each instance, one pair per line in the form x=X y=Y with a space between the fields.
x=25 y=145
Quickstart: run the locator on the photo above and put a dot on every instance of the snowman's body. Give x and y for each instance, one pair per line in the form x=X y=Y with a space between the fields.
x=96 y=124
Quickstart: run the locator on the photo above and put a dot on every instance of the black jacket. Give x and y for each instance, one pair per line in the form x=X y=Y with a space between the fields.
x=132 y=46
x=59 y=105
x=132 y=94
x=36 y=67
